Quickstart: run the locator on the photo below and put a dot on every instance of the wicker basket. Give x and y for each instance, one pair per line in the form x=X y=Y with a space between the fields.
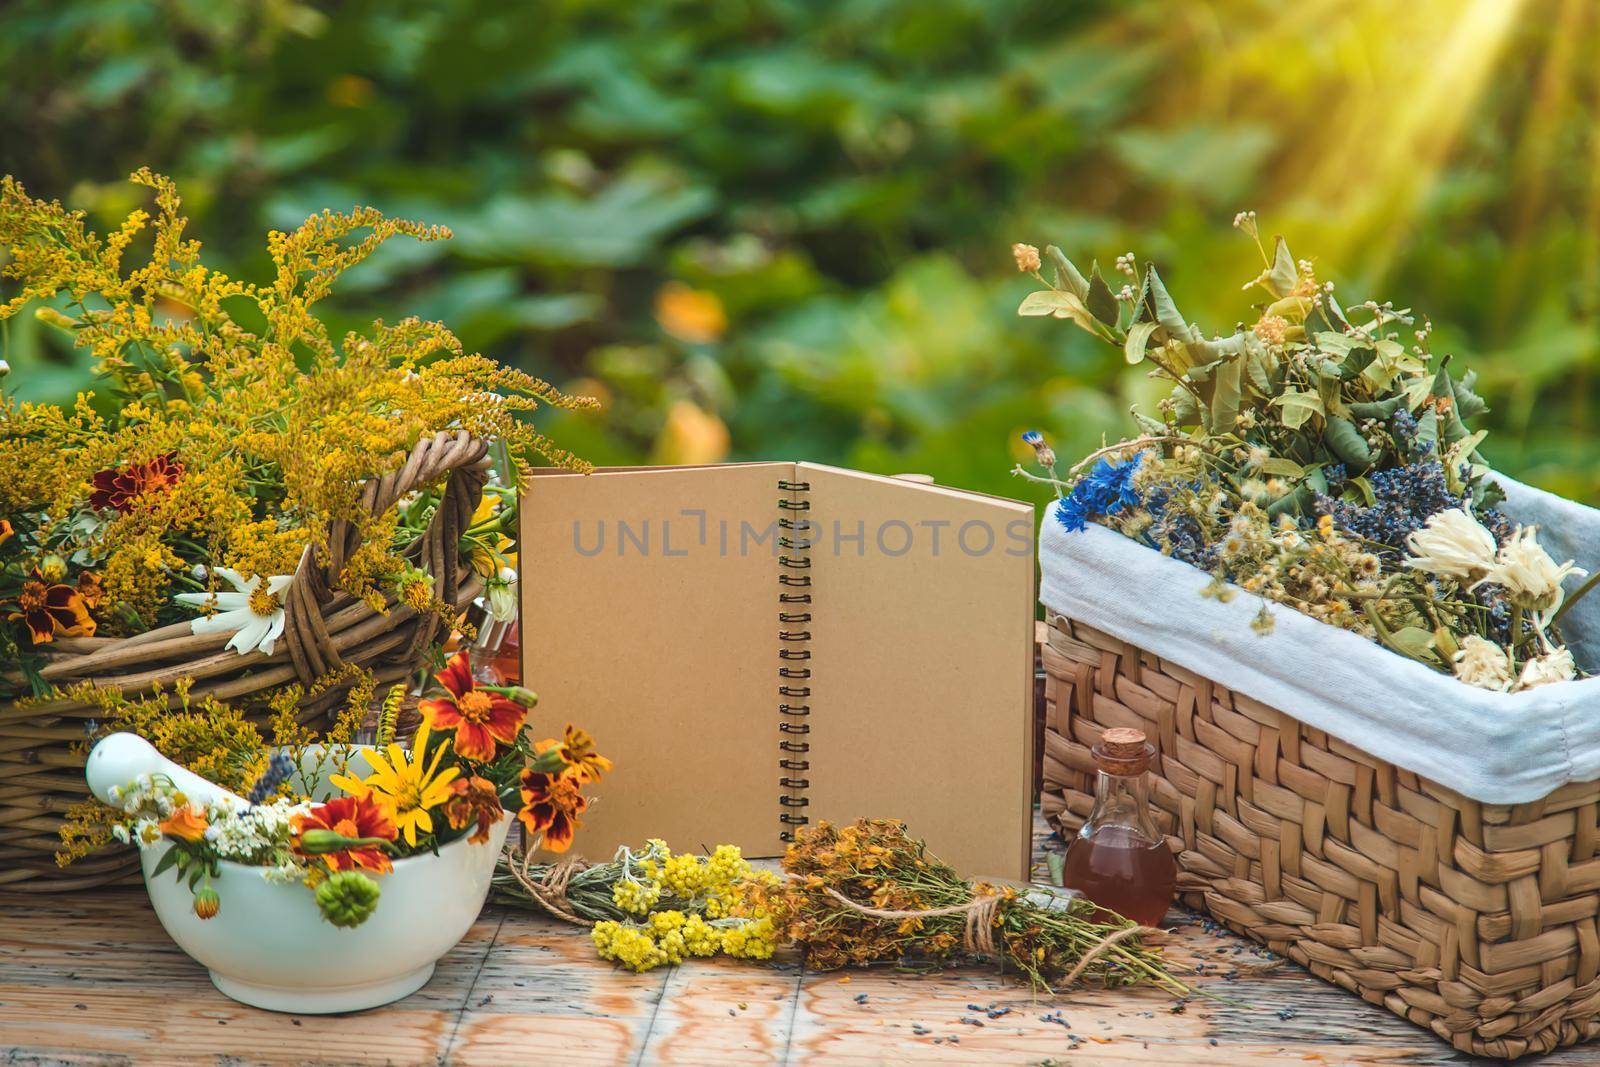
x=41 y=774
x=1477 y=921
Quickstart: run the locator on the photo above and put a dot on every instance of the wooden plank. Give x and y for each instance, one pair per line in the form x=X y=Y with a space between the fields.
x=90 y=978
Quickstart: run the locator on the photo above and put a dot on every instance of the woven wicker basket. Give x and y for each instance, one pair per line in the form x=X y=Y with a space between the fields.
x=41 y=775
x=1477 y=921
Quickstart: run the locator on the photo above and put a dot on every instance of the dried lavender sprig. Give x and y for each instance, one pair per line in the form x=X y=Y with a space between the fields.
x=279 y=767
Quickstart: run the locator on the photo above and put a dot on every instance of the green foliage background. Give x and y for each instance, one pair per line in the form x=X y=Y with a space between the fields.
x=846 y=178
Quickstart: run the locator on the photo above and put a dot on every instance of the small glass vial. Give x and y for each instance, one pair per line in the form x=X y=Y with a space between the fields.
x=485 y=651
x=1120 y=860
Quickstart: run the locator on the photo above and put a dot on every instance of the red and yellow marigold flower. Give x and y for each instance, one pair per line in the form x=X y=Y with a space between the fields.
x=90 y=591
x=480 y=718
x=362 y=821
x=51 y=610
x=576 y=750
x=551 y=804
x=118 y=488
x=473 y=800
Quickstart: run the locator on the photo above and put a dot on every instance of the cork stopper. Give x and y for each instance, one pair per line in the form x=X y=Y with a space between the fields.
x=1123 y=751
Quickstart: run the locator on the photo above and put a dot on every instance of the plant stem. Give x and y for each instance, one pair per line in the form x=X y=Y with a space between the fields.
x=1575 y=597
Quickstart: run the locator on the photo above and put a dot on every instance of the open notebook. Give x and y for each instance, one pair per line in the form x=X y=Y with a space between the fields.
x=762 y=645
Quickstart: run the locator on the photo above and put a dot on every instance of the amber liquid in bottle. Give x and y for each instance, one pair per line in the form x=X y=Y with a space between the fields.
x=1120 y=860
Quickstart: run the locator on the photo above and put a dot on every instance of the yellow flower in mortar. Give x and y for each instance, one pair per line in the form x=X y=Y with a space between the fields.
x=404 y=785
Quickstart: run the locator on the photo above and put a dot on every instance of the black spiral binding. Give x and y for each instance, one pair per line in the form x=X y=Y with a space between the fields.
x=794 y=727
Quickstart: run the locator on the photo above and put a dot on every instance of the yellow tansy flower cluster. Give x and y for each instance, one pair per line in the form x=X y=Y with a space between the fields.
x=634 y=897
x=708 y=909
x=673 y=936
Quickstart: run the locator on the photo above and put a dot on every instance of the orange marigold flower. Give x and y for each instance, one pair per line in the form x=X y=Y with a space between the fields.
x=6 y=531
x=50 y=611
x=118 y=489
x=188 y=823
x=357 y=818
x=479 y=718
x=576 y=750
x=551 y=804
x=473 y=800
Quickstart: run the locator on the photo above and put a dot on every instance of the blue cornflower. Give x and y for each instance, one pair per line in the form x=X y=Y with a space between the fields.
x=1042 y=451
x=1072 y=513
x=1106 y=490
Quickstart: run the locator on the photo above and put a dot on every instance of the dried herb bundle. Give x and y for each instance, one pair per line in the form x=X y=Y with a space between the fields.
x=868 y=892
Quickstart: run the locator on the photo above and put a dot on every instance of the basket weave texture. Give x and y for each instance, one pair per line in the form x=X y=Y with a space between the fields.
x=1476 y=921
x=41 y=768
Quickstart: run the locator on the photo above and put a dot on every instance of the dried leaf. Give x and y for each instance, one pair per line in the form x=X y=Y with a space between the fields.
x=1068 y=272
x=1298 y=407
x=1284 y=275
x=1161 y=306
x=1346 y=442
x=1138 y=339
x=1225 y=395
x=1102 y=303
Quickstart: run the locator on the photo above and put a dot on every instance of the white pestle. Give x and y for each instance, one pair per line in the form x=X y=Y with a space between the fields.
x=120 y=758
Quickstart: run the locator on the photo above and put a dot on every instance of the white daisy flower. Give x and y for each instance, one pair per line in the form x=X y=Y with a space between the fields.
x=253 y=611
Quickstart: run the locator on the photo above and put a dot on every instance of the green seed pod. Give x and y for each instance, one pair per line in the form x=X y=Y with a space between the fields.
x=317 y=842
x=348 y=898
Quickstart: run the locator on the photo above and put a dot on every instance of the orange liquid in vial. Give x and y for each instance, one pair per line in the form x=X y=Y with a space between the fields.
x=1122 y=871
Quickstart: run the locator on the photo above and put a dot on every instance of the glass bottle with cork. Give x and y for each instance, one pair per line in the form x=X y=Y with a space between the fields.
x=1119 y=860
x=486 y=655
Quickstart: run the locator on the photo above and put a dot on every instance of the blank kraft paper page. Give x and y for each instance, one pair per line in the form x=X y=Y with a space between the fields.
x=922 y=654
x=648 y=619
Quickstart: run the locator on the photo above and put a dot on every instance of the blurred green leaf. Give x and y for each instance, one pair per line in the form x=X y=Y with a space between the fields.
x=844 y=180
x=616 y=227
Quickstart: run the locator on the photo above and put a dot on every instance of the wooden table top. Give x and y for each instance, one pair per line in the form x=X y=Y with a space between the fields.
x=91 y=978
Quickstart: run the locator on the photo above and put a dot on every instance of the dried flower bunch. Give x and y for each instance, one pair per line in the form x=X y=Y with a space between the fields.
x=470 y=763
x=229 y=429
x=840 y=875
x=652 y=907
x=1321 y=458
